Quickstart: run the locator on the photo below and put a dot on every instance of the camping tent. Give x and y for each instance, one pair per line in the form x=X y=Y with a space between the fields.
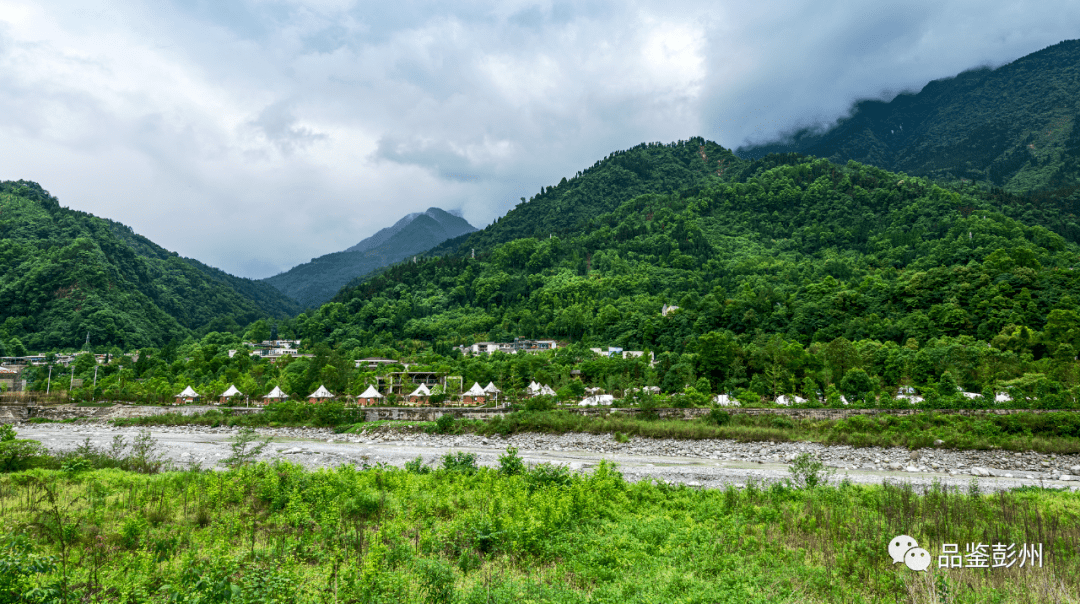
x=474 y=395
x=187 y=396
x=275 y=395
x=420 y=395
x=370 y=396
x=228 y=394
x=321 y=394
x=492 y=390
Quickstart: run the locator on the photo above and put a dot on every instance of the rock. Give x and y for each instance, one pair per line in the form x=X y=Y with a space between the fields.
x=292 y=451
x=1075 y=469
x=911 y=469
x=913 y=455
x=1069 y=477
x=895 y=466
x=977 y=471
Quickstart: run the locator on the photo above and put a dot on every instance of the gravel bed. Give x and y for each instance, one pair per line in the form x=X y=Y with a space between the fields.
x=710 y=463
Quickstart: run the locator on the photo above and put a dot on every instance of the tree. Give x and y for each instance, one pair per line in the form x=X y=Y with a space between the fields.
x=16 y=349
x=858 y=386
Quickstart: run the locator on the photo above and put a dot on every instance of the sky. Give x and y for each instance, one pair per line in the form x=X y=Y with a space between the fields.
x=254 y=135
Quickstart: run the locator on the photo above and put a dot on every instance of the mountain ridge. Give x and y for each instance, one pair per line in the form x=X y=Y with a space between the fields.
x=1016 y=126
x=66 y=272
x=317 y=281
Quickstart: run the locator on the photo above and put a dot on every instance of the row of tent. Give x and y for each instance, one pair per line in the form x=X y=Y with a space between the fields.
x=371 y=396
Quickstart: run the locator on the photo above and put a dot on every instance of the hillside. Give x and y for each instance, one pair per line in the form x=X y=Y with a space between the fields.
x=571 y=205
x=64 y=273
x=1014 y=127
x=780 y=257
x=315 y=282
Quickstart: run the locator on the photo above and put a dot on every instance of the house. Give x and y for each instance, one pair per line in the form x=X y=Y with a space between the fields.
x=370 y=397
x=321 y=394
x=420 y=396
x=373 y=363
x=474 y=395
x=9 y=379
x=231 y=394
x=187 y=396
x=396 y=381
x=276 y=395
x=667 y=310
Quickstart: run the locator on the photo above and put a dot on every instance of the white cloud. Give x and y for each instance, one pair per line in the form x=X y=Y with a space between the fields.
x=257 y=134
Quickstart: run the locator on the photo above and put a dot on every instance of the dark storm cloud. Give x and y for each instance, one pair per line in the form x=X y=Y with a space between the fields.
x=254 y=135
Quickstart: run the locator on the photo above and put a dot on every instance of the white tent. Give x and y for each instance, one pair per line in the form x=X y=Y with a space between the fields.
x=232 y=391
x=421 y=390
x=371 y=392
x=188 y=393
x=786 y=400
x=599 y=399
x=533 y=388
x=322 y=392
x=545 y=389
x=476 y=390
x=276 y=394
x=491 y=388
x=725 y=400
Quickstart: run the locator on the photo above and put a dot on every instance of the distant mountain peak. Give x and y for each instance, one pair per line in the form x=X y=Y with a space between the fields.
x=315 y=282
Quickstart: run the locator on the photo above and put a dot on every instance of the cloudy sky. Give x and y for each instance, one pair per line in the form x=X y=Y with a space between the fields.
x=256 y=134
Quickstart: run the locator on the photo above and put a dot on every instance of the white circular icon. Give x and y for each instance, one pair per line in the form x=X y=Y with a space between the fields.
x=899 y=546
x=917 y=558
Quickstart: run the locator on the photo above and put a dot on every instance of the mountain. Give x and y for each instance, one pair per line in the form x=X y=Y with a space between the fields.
x=315 y=282
x=573 y=204
x=64 y=273
x=776 y=261
x=1015 y=127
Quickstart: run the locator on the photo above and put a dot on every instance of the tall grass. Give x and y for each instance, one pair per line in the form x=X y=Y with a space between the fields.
x=279 y=533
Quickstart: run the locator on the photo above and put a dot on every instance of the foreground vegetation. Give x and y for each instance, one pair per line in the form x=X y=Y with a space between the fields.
x=458 y=533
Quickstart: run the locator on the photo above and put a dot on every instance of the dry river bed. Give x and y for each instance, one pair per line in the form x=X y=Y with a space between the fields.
x=699 y=463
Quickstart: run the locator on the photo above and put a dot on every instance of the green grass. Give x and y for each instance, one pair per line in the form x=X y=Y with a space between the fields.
x=462 y=534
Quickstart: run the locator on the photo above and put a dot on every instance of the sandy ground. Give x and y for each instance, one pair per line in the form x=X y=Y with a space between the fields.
x=205 y=447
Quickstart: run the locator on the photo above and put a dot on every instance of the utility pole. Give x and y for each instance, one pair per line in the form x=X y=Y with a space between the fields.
x=48 y=384
x=93 y=391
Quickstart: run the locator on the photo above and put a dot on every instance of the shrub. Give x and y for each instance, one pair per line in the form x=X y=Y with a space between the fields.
x=445 y=423
x=510 y=463
x=718 y=416
x=461 y=462
x=807 y=472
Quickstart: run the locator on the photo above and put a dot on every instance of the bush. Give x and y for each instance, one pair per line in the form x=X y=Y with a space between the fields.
x=460 y=462
x=808 y=472
x=417 y=466
x=718 y=416
x=444 y=424
x=510 y=463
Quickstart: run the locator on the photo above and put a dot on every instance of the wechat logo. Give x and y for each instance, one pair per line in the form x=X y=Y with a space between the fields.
x=905 y=549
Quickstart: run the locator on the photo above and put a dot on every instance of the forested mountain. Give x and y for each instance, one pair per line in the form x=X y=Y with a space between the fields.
x=1016 y=127
x=768 y=263
x=571 y=205
x=64 y=273
x=315 y=282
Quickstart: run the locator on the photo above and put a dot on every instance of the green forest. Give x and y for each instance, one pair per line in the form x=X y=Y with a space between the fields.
x=1014 y=127
x=792 y=276
x=65 y=274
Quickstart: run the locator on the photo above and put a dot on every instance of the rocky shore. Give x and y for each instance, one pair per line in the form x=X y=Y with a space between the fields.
x=709 y=463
